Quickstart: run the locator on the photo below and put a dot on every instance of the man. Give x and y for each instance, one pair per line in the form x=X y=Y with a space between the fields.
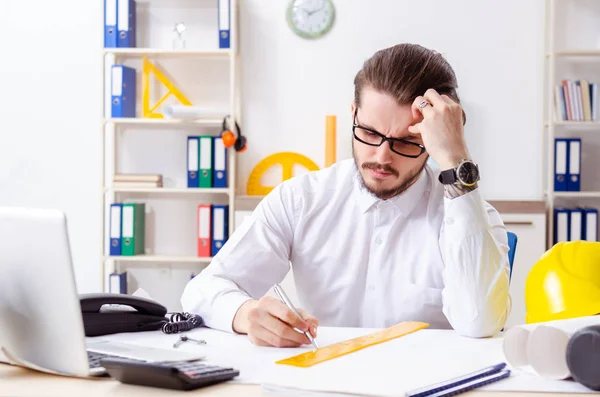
x=374 y=241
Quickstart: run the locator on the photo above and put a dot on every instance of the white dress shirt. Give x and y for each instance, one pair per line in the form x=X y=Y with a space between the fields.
x=359 y=261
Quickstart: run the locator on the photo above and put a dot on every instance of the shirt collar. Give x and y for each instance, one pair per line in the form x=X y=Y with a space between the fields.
x=405 y=202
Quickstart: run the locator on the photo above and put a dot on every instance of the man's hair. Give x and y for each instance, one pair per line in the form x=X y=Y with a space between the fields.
x=406 y=71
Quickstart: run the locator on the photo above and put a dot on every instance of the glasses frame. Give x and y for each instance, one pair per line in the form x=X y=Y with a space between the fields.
x=385 y=139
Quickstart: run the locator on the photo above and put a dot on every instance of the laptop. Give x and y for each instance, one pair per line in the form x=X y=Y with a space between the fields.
x=40 y=313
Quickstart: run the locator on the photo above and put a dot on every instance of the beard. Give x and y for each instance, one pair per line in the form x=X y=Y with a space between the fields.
x=382 y=193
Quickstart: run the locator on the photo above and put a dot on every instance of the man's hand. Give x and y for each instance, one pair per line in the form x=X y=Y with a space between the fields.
x=269 y=322
x=441 y=128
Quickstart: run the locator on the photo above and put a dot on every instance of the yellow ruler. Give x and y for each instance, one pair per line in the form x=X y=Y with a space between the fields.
x=287 y=160
x=342 y=348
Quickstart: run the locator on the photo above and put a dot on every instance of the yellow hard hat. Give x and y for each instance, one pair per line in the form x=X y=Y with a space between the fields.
x=564 y=283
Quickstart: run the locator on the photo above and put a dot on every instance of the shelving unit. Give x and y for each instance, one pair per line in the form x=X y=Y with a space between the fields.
x=113 y=129
x=560 y=58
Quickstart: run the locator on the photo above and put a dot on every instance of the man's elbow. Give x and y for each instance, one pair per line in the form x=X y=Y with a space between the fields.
x=490 y=320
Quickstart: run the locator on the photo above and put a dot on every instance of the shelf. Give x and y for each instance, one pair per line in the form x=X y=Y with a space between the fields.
x=576 y=123
x=160 y=258
x=149 y=121
x=165 y=52
x=577 y=194
x=163 y=190
x=576 y=53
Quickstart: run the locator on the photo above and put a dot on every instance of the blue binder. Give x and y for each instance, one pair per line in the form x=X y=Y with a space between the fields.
x=219 y=162
x=193 y=161
x=110 y=23
x=590 y=224
x=116 y=222
x=126 y=23
x=562 y=224
x=575 y=224
x=220 y=227
x=574 y=168
x=561 y=163
x=118 y=283
x=224 y=23
x=123 y=91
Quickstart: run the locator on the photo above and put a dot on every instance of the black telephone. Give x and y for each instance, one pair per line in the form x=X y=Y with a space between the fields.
x=113 y=313
x=105 y=314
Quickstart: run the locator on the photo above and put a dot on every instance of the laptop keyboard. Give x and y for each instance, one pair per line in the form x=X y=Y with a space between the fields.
x=95 y=357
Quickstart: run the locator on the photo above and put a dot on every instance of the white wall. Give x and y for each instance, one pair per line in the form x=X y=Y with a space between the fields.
x=51 y=102
x=290 y=84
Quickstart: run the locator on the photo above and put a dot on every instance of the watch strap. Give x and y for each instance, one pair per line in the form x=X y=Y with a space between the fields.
x=448 y=177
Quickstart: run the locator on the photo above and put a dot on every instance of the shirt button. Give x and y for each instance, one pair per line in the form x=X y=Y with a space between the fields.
x=379 y=240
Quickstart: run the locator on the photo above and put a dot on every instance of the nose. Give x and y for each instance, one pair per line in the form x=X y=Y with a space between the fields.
x=384 y=154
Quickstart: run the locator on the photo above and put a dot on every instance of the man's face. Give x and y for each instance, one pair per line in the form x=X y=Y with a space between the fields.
x=383 y=172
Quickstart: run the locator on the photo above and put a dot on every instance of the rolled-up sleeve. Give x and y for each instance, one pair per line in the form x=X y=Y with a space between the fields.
x=474 y=248
x=254 y=258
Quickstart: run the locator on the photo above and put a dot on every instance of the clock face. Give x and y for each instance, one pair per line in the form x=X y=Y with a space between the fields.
x=311 y=18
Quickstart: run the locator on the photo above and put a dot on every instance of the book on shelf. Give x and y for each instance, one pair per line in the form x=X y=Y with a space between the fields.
x=576 y=100
x=137 y=181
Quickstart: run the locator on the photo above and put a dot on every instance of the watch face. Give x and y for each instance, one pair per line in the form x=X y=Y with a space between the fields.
x=468 y=173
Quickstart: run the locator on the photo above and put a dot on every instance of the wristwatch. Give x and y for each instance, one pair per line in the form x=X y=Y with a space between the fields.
x=466 y=174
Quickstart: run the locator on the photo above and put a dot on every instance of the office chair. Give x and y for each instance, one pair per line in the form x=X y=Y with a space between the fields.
x=512 y=246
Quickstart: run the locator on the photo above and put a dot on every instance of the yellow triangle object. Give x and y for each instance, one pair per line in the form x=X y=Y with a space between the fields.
x=322 y=354
x=287 y=160
x=147 y=111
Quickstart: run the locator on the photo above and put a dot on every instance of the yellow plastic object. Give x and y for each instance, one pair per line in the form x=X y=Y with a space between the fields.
x=147 y=111
x=330 y=140
x=339 y=349
x=564 y=283
x=287 y=160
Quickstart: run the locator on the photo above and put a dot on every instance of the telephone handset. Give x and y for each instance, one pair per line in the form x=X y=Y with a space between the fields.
x=107 y=313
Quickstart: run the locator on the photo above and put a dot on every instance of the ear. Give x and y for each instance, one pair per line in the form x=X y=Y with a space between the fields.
x=352 y=109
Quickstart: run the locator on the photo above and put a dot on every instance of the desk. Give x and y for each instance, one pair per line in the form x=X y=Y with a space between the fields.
x=15 y=381
x=436 y=350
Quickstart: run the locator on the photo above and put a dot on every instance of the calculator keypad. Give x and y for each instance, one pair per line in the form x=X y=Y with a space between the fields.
x=196 y=370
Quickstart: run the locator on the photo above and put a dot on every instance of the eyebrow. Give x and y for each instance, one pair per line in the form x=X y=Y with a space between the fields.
x=410 y=137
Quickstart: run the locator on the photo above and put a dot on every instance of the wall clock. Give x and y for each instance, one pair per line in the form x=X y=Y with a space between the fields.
x=311 y=19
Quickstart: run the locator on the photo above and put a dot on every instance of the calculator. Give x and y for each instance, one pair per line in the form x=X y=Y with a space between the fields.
x=180 y=375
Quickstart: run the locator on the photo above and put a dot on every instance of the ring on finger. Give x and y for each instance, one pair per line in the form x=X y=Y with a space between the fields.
x=423 y=103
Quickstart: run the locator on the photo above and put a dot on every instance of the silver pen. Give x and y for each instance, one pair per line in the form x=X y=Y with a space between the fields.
x=284 y=298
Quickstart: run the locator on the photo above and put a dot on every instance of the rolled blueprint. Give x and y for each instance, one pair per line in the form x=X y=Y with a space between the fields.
x=583 y=356
x=192 y=112
x=541 y=347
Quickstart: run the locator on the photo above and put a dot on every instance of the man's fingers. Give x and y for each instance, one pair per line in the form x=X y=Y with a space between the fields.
x=419 y=110
x=282 y=312
x=415 y=129
x=434 y=98
x=312 y=321
x=265 y=336
x=281 y=329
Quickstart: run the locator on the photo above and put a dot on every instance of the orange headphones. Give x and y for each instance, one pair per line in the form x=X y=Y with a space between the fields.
x=229 y=138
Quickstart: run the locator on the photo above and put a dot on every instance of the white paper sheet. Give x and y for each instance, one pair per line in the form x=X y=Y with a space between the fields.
x=388 y=369
x=540 y=348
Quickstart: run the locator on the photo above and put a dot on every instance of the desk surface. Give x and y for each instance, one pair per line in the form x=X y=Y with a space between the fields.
x=15 y=381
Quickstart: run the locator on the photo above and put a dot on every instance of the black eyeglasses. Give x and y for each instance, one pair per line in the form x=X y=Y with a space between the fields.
x=373 y=138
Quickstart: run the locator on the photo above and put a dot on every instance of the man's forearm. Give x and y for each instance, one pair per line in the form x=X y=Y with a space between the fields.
x=472 y=243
